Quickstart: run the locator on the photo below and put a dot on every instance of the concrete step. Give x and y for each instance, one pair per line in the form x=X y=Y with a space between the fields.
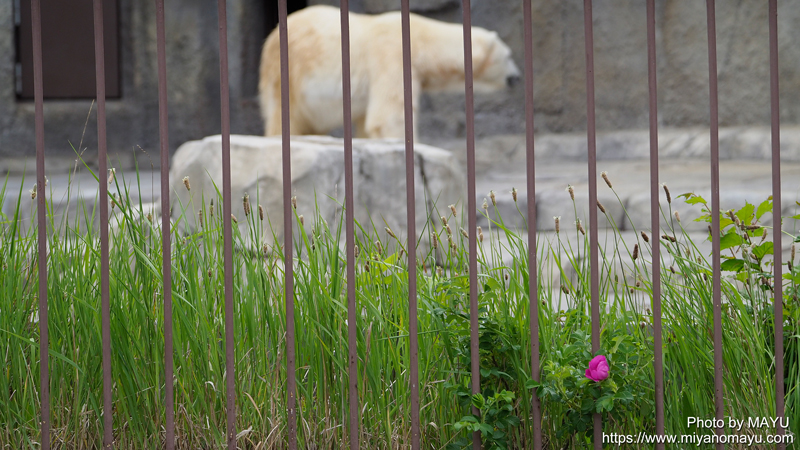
x=628 y=204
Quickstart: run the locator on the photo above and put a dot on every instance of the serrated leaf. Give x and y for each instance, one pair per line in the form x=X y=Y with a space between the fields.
x=695 y=200
x=765 y=206
x=767 y=248
x=746 y=213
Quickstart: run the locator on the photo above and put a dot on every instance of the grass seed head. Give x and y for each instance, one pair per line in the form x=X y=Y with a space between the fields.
x=464 y=233
x=677 y=216
x=261 y=212
x=233 y=218
x=302 y=220
x=564 y=289
x=444 y=221
x=604 y=174
x=645 y=237
x=449 y=231
x=199 y=217
x=602 y=208
x=294 y=202
x=246 y=204
x=390 y=232
x=666 y=191
x=635 y=252
x=435 y=241
x=186 y=183
x=380 y=247
x=571 y=191
x=514 y=194
x=485 y=205
x=580 y=227
x=453 y=209
x=793 y=252
x=557 y=219
x=494 y=200
x=480 y=234
x=33 y=192
x=356 y=251
x=111 y=173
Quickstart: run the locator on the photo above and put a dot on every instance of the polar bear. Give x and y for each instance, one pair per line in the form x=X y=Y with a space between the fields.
x=376 y=67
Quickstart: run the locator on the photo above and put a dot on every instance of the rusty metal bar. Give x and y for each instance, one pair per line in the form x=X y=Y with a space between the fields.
x=288 y=252
x=102 y=160
x=230 y=369
x=472 y=207
x=776 y=212
x=658 y=362
x=44 y=376
x=716 y=292
x=592 y=147
x=166 y=245
x=533 y=274
x=411 y=224
x=352 y=342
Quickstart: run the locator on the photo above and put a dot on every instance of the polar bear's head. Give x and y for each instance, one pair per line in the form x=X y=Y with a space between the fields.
x=493 y=67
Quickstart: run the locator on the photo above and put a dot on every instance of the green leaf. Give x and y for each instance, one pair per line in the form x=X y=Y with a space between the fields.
x=746 y=213
x=478 y=401
x=730 y=239
x=733 y=265
x=695 y=200
x=765 y=206
x=764 y=249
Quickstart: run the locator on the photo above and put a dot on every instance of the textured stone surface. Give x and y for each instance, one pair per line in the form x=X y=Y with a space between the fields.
x=317 y=174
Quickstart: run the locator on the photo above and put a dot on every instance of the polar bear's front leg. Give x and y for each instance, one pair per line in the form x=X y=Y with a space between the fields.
x=385 y=116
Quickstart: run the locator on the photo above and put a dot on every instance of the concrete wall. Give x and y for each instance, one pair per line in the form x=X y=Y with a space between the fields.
x=620 y=61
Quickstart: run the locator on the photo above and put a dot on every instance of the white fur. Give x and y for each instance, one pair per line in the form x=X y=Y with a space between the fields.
x=376 y=68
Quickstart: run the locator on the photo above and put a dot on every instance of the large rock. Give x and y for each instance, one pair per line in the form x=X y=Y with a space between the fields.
x=318 y=178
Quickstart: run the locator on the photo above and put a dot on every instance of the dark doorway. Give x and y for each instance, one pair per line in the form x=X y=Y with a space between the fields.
x=67 y=49
x=272 y=11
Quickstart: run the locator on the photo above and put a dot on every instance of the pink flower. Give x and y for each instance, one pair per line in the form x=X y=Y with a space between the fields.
x=598 y=369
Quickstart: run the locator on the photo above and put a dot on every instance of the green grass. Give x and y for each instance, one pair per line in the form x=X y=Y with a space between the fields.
x=383 y=348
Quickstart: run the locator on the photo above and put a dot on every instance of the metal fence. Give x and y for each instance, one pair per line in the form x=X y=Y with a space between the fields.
x=409 y=145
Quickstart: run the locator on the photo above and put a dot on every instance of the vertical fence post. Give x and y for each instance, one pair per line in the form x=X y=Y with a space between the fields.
x=166 y=245
x=592 y=146
x=288 y=252
x=352 y=318
x=776 y=213
x=533 y=274
x=411 y=224
x=41 y=210
x=100 y=84
x=230 y=366
x=472 y=207
x=715 y=225
x=658 y=361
